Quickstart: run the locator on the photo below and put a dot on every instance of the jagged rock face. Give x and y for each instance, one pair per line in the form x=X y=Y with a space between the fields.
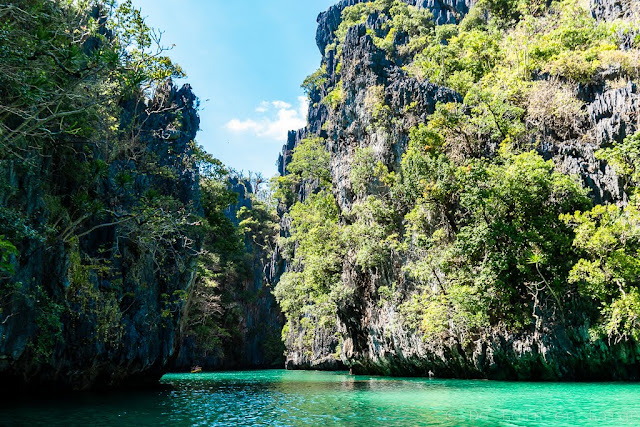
x=371 y=337
x=612 y=115
x=352 y=126
x=67 y=327
x=444 y=12
x=364 y=66
x=259 y=319
x=610 y=10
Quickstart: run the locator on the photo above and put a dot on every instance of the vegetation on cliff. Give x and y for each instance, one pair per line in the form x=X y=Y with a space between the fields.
x=95 y=205
x=448 y=191
x=114 y=244
x=471 y=228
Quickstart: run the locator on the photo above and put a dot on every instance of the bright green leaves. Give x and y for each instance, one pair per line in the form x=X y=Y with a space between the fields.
x=7 y=251
x=335 y=97
x=457 y=58
x=310 y=161
x=494 y=115
x=354 y=15
x=310 y=291
x=314 y=224
x=625 y=159
x=259 y=223
x=142 y=59
x=609 y=239
x=485 y=240
x=376 y=105
x=67 y=65
x=459 y=313
x=404 y=18
x=427 y=174
x=410 y=20
x=493 y=63
x=364 y=170
x=511 y=214
x=315 y=255
x=282 y=188
x=315 y=81
x=372 y=232
x=470 y=216
x=208 y=166
x=132 y=29
x=520 y=187
x=569 y=42
x=623 y=316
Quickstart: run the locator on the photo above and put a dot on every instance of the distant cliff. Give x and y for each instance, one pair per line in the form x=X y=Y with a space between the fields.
x=243 y=330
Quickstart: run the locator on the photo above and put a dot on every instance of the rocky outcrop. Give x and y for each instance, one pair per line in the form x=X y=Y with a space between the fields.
x=444 y=12
x=612 y=115
x=364 y=66
x=370 y=336
x=610 y=10
x=557 y=353
x=100 y=308
x=254 y=340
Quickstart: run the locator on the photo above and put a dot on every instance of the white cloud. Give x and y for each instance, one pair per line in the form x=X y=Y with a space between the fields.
x=263 y=107
x=276 y=119
x=281 y=105
x=236 y=125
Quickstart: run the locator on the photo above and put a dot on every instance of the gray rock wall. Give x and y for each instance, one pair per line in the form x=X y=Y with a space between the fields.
x=114 y=325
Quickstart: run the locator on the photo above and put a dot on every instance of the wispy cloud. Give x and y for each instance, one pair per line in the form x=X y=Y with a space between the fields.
x=274 y=120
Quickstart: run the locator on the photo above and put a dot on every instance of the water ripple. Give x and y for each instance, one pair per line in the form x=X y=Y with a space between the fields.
x=284 y=398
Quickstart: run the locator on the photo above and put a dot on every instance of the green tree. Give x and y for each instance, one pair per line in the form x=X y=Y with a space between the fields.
x=609 y=240
x=624 y=158
x=310 y=161
x=315 y=252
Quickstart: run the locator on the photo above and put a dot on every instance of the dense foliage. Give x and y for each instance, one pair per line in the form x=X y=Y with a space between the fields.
x=232 y=247
x=78 y=81
x=472 y=230
x=114 y=223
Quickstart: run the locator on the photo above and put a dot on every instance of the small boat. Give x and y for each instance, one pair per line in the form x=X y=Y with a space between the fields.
x=196 y=369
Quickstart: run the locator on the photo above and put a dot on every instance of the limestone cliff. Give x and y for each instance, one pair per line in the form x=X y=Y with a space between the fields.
x=248 y=313
x=370 y=334
x=100 y=308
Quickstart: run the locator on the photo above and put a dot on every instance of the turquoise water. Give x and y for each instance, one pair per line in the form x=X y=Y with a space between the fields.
x=287 y=398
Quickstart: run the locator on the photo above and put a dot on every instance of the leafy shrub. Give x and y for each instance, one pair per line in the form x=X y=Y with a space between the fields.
x=310 y=161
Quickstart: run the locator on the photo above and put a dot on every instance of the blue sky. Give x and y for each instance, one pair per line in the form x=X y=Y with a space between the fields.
x=245 y=60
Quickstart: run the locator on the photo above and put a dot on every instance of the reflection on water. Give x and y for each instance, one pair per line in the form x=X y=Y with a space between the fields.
x=286 y=398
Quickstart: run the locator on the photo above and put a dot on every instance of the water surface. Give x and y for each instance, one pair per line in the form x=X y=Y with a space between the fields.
x=288 y=398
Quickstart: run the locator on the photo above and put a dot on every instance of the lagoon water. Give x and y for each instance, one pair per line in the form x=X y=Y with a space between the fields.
x=294 y=398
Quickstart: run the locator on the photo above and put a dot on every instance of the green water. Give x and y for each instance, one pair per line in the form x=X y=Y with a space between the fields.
x=284 y=398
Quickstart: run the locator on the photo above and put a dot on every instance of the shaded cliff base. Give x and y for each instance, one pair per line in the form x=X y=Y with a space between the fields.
x=19 y=387
x=512 y=358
